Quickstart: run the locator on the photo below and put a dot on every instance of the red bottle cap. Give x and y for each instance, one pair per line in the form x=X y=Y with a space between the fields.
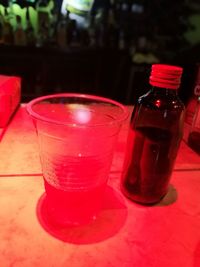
x=165 y=76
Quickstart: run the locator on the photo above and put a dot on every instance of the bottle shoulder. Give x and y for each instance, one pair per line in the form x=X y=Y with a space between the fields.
x=159 y=100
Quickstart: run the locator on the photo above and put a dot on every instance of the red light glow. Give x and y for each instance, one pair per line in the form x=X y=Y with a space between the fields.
x=82 y=116
x=157 y=103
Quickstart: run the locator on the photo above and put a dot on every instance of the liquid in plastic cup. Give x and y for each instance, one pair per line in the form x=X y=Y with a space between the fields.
x=77 y=136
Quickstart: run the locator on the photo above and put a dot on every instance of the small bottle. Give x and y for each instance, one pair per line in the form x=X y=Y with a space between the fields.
x=61 y=33
x=156 y=129
x=30 y=35
x=7 y=29
x=19 y=34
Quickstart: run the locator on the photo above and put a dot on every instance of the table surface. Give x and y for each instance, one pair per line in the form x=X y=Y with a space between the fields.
x=125 y=234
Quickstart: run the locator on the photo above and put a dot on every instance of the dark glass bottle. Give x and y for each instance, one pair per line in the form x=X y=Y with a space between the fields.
x=156 y=129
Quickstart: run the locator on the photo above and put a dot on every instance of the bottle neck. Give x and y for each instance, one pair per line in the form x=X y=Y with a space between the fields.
x=164 y=91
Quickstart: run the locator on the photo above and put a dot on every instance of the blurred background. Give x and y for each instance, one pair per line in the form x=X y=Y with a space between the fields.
x=103 y=47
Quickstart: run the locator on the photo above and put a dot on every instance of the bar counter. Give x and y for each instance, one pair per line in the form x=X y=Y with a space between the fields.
x=125 y=234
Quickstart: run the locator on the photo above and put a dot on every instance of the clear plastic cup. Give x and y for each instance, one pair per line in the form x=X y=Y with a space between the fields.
x=77 y=136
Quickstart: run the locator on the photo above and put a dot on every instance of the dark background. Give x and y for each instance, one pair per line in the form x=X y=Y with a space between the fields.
x=157 y=31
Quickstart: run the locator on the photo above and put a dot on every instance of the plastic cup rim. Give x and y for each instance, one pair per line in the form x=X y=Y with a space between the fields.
x=35 y=115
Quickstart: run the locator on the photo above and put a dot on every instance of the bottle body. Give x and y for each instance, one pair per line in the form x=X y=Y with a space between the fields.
x=155 y=133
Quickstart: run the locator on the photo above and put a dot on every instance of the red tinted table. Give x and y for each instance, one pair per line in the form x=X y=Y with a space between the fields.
x=125 y=234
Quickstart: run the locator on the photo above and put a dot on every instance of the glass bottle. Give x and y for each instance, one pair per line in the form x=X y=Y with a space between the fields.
x=30 y=35
x=7 y=30
x=19 y=34
x=156 y=129
x=61 y=32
